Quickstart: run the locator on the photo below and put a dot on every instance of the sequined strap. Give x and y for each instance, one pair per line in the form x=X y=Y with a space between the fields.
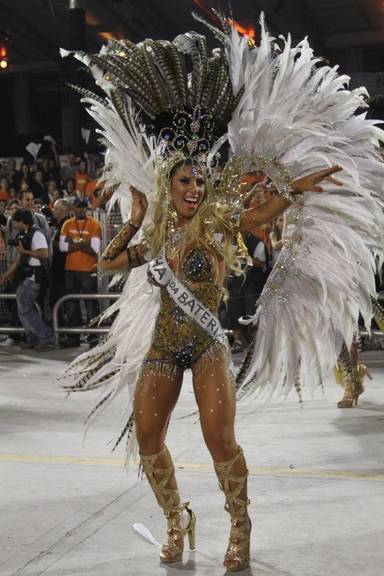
x=185 y=299
x=158 y=477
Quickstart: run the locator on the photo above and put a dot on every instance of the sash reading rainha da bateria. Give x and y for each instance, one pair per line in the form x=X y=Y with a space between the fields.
x=185 y=299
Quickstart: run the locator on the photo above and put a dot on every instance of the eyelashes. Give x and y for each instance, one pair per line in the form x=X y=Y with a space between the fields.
x=199 y=182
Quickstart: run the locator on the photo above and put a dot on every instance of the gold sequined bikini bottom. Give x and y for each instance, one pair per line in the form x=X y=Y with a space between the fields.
x=190 y=356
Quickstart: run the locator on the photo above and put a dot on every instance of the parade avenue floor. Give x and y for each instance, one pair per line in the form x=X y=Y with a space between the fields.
x=316 y=482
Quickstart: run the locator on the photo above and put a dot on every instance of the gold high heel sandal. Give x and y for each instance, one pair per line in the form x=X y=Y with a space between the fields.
x=354 y=387
x=173 y=550
x=235 y=490
x=159 y=470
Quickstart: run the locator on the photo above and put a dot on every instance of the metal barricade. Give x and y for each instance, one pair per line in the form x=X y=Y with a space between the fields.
x=88 y=330
x=81 y=329
x=14 y=329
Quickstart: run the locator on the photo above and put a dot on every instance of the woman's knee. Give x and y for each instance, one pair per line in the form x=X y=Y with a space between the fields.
x=221 y=443
x=149 y=437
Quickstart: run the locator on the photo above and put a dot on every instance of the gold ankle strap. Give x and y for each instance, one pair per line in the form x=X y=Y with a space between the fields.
x=158 y=477
x=233 y=487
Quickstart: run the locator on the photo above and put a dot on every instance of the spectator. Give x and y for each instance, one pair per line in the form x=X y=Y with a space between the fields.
x=53 y=192
x=93 y=191
x=44 y=166
x=38 y=187
x=27 y=201
x=29 y=270
x=263 y=193
x=10 y=286
x=12 y=173
x=244 y=290
x=276 y=237
x=10 y=229
x=82 y=178
x=12 y=192
x=4 y=189
x=52 y=172
x=57 y=285
x=70 y=168
x=80 y=240
x=70 y=190
x=3 y=218
x=24 y=176
x=37 y=205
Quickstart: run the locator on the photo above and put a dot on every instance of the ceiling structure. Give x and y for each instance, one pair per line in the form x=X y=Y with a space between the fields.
x=34 y=29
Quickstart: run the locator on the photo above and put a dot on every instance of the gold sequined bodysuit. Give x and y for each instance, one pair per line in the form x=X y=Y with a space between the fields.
x=178 y=341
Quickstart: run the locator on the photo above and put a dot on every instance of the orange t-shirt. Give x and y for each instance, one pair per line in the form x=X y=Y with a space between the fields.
x=4 y=195
x=82 y=181
x=76 y=230
x=90 y=190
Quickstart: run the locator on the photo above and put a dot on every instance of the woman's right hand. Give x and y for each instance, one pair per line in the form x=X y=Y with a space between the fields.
x=139 y=206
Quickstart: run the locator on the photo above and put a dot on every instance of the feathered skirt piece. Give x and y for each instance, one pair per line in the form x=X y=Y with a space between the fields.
x=114 y=366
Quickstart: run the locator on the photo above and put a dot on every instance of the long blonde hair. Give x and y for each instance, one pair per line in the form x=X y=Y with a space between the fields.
x=210 y=228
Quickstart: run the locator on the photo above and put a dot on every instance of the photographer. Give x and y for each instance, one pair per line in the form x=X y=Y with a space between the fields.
x=80 y=241
x=56 y=219
x=29 y=270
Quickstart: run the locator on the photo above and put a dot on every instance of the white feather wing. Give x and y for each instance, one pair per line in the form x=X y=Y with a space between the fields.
x=302 y=116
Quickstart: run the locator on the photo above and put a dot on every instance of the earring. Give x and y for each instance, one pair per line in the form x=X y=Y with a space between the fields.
x=171 y=223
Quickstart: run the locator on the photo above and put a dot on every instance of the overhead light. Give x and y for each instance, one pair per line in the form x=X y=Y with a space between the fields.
x=3 y=57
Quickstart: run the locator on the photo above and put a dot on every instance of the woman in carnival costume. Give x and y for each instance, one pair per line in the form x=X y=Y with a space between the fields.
x=167 y=110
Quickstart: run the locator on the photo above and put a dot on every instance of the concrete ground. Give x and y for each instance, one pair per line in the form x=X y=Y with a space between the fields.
x=67 y=508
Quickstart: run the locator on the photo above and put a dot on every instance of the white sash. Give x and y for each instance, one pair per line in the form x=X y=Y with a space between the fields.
x=185 y=299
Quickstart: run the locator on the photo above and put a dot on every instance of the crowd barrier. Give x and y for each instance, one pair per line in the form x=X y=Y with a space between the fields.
x=81 y=329
x=90 y=330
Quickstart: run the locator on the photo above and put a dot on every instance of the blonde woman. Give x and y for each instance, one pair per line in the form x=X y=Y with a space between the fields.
x=166 y=112
x=179 y=343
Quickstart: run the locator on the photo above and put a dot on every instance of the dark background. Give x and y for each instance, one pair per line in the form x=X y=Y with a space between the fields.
x=34 y=100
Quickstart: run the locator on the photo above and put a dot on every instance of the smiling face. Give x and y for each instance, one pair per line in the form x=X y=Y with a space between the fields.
x=187 y=191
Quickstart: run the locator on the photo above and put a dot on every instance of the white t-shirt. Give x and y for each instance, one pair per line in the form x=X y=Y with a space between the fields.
x=259 y=252
x=38 y=241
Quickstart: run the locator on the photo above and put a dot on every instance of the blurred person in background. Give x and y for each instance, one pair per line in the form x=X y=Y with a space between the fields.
x=60 y=212
x=70 y=166
x=28 y=201
x=94 y=191
x=80 y=240
x=53 y=192
x=37 y=205
x=12 y=173
x=276 y=237
x=82 y=177
x=29 y=272
x=4 y=189
x=263 y=193
x=70 y=192
x=244 y=290
x=23 y=177
x=38 y=187
x=10 y=233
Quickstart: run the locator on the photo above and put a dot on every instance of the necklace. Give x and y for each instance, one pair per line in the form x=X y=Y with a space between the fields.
x=80 y=232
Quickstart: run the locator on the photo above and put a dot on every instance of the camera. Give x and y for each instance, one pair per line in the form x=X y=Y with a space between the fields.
x=47 y=212
x=19 y=239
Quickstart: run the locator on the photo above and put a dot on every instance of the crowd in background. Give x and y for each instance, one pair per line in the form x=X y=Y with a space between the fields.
x=48 y=205
x=64 y=197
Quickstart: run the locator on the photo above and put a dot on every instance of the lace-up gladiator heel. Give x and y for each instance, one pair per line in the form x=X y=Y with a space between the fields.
x=159 y=470
x=234 y=486
x=353 y=386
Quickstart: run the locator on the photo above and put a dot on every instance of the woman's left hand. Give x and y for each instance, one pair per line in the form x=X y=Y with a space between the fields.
x=310 y=183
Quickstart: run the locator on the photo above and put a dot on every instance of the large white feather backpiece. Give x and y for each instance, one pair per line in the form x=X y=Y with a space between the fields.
x=298 y=115
x=295 y=116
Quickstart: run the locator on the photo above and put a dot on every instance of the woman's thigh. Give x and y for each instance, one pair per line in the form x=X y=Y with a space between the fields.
x=215 y=396
x=154 y=400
